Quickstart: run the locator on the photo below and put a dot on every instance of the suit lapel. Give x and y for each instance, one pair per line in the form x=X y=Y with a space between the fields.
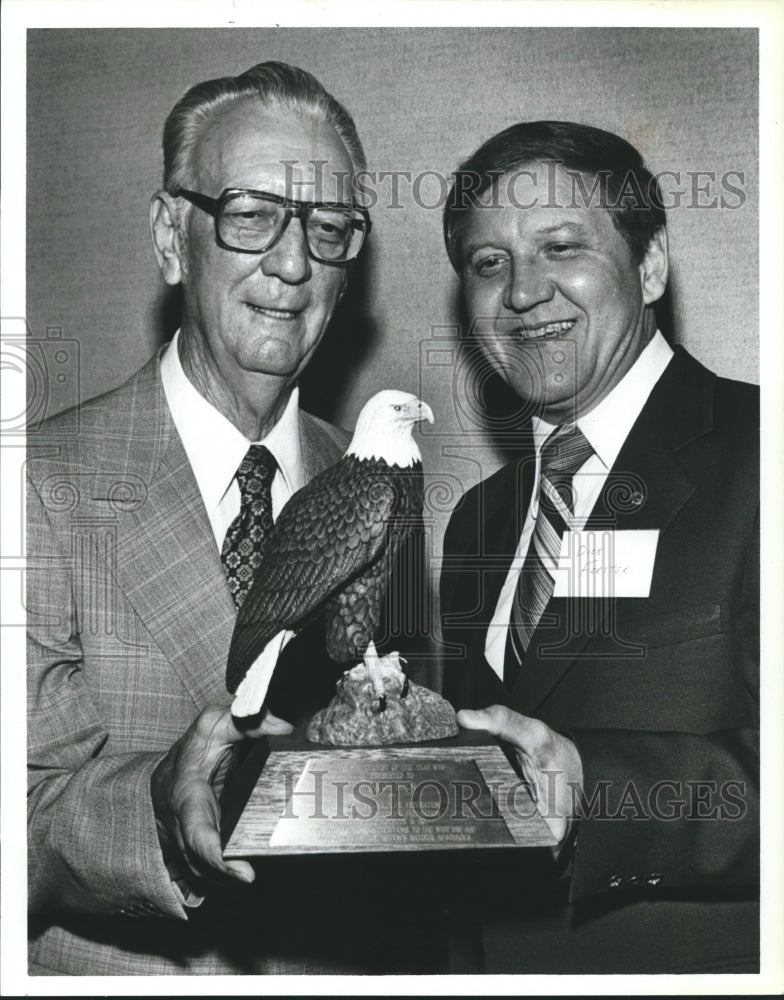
x=646 y=489
x=506 y=520
x=167 y=562
x=318 y=449
x=477 y=580
x=171 y=571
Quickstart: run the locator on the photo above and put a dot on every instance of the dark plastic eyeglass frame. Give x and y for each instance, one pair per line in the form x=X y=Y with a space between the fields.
x=294 y=210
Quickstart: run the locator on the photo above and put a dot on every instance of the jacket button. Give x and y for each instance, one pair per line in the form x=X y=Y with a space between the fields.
x=633 y=880
x=616 y=881
x=654 y=880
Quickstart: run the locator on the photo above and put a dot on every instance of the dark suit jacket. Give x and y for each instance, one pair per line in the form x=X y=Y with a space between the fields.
x=130 y=619
x=660 y=694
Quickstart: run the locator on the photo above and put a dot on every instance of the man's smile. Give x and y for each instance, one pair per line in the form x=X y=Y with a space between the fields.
x=538 y=331
x=272 y=313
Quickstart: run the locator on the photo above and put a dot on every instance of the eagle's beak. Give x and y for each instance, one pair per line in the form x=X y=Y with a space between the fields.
x=424 y=412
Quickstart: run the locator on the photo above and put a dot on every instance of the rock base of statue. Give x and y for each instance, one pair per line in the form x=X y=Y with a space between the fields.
x=375 y=704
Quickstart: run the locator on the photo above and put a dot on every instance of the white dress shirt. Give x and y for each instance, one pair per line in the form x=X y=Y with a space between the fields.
x=215 y=448
x=606 y=427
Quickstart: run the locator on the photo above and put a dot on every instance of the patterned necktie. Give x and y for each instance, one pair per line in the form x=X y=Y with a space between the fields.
x=243 y=546
x=563 y=453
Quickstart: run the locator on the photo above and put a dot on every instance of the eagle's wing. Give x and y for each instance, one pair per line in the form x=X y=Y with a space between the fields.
x=354 y=613
x=327 y=533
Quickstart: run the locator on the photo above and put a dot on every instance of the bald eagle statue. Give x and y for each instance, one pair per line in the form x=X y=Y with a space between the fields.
x=332 y=549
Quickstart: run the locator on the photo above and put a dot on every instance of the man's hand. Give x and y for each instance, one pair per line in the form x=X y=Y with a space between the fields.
x=548 y=761
x=186 y=785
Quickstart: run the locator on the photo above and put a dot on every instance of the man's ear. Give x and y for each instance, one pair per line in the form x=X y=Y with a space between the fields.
x=166 y=237
x=654 y=268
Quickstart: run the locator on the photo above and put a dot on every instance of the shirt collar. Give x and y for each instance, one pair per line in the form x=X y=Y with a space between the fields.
x=608 y=424
x=214 y=446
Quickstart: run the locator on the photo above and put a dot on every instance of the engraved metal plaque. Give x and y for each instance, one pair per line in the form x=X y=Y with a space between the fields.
x=293 y=797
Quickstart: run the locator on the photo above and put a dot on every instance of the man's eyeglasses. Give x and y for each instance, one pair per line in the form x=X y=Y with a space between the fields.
x=254 y=221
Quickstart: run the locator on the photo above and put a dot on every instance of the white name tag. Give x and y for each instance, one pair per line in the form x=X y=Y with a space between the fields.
x=608 y=563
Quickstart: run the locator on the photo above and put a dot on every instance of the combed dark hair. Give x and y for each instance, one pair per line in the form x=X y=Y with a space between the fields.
x=275 y=84
x=632 y=193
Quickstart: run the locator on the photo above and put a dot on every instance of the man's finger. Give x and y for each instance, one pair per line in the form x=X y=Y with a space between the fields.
x=202 y=840
x=274 y=726
x=270 y=725
x=216 y=726
x=206 y=847
x=498 y=720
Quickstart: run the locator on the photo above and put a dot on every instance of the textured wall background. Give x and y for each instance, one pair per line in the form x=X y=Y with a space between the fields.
x=423 y=99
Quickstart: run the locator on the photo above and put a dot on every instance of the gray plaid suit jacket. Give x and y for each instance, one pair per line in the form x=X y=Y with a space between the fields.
x=129 y=619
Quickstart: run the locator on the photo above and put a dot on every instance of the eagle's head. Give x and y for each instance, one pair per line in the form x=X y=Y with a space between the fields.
x=384 y=428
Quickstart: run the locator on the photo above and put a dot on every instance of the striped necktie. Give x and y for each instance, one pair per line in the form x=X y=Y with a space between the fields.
x=564 y=452
x=243 y=545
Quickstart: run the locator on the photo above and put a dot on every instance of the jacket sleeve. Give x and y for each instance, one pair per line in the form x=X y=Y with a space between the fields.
x=92 y=839
x=675 y=811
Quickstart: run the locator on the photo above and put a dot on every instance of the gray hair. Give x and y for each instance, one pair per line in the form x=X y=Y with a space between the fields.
x=275 y=84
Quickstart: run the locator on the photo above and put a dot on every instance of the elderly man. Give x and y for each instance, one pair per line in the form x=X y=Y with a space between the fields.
x=600 y=593
x=147 y=508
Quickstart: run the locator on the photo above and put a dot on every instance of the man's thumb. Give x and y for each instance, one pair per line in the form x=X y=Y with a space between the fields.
x=493 y=719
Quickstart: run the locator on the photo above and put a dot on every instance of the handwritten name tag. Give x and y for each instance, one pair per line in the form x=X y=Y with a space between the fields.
x=598 y=563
